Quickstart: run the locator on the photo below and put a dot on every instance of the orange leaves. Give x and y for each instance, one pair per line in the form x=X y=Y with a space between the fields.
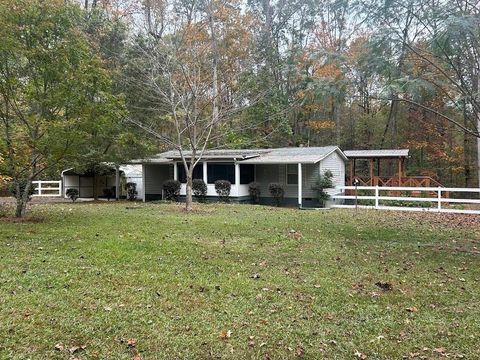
x=225 y=334
x=321 y=124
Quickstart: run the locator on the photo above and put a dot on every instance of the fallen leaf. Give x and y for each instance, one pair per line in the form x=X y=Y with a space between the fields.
x=131 y=343
x=360 y=355
x=75 y=349
x=328 y=316
x=299 y=351
x=225 y=334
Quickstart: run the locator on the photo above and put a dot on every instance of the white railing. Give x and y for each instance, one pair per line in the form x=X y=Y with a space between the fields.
x=378 y=198
x=52 y=188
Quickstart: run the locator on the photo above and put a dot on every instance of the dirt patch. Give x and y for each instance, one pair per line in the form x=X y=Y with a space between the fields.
x=25 y=220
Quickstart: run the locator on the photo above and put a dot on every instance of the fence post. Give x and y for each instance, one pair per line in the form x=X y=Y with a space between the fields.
x=377 y=194
x=39 y=188
x=439 y=198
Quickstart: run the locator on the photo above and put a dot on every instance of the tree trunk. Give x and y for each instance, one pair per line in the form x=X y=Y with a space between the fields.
x=466 y=150
x=22 y=199
x=189 y=197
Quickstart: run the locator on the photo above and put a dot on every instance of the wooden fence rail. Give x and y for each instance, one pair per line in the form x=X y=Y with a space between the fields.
x=378 y=198
x=53 y=188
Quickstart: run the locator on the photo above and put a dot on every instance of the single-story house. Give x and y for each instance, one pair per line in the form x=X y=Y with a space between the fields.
x=295 y=168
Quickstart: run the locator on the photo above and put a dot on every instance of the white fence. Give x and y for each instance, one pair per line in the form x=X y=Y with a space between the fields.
x=441 y=202
x=47 y=188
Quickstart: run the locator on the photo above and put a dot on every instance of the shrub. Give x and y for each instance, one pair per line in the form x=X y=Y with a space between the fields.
x=199 y=189
x=72 y=194
x=12 y=188
x=254 y=192
x=131 y=191
x=109 y=193
x=223 y=187
x=277 y=191
x=323 y=182
x=171 y=189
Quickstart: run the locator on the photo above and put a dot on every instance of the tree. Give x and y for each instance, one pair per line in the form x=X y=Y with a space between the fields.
x=54 y=93
x=193 y=89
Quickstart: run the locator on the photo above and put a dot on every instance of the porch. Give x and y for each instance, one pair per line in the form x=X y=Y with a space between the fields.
x=297 y=180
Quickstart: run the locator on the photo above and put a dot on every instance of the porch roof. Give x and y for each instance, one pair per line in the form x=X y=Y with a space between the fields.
x=384 y=153
x=291 y=155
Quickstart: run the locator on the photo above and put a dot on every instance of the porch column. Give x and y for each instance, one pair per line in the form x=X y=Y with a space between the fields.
x=175 y=171
x=205 y=176
x=299 y=185
x=237 y=178
x=117 y=182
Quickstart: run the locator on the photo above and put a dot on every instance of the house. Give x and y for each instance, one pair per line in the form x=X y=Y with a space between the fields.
x=295 y=168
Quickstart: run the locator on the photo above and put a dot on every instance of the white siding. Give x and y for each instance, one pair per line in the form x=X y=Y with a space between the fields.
x=336 y=164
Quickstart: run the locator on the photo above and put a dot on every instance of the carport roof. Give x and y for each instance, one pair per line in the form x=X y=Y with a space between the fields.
x=384 y=153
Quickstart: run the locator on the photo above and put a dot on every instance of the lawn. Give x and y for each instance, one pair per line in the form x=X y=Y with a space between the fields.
x=148 y=281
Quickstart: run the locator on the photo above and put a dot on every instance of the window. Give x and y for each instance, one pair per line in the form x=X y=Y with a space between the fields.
x=217 y=171
x=197 y=172
x=247 y=173
x=292 y=174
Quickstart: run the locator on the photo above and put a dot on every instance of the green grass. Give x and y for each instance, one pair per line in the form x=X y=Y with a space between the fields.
x=98 y=275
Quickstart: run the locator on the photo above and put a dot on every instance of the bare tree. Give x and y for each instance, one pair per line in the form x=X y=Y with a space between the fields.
x=188 y=89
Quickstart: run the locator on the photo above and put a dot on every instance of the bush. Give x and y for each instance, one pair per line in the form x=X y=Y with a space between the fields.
x=277 y=191
x=72 y=194
x=199 y=189
x=223 y=187
x=323 y=182
x=254 y=192
x=171 y=190
x=131 y=191
x=12 y=188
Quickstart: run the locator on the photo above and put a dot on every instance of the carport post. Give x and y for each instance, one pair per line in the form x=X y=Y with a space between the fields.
x=117 y=182
x=299 y=185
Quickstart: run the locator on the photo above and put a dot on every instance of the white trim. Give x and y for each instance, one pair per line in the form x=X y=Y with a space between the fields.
x=337 y=149
x=299 y=184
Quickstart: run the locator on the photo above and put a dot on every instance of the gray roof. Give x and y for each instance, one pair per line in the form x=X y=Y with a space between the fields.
x=302 y=155
x=255 y=156
x=387 y=153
